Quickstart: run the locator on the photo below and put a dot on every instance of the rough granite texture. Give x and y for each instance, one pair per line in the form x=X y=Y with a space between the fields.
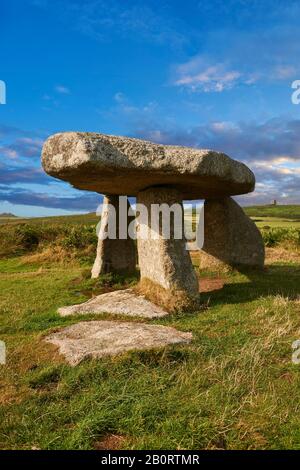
x=165 y=262
x=120 y=302
x=114 y=255
x=121 y=165
x=230 y=236
x=95 y=339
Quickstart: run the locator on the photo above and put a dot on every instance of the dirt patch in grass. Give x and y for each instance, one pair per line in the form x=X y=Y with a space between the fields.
x=25 y=358
x=52 y=254
x=279 y=254
x=106 y=283
x=30 y=355
x=110 y=442
x=211 y=285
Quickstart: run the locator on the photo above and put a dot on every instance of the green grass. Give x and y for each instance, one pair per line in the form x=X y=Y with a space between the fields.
x=90 y=218
x=276 y=222
x=279 y=211
x=270 y=215
x=78 y=233
x=233 y=387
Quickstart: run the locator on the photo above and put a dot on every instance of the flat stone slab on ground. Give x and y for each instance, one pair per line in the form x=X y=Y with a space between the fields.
x=122 y=302
x=95 y=339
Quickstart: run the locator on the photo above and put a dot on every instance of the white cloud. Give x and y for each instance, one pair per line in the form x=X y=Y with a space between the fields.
x=271 y=149
x=208 y=74
x=9 y=153
x=223 y=126
x=283 y=72
x=22 y=147
x=124 y=106
x=213 y=78
x=119 y=97
x=198 y=74
x=62 y=90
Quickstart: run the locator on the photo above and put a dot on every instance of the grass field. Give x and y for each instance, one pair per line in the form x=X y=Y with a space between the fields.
x=275 y=222
x=233 y=387
x=275 y=216
x=90 y=218
x=284 y=211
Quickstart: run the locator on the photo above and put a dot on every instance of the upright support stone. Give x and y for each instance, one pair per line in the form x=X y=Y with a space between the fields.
x=230 y=236
x=167 y=274
x=113 y=255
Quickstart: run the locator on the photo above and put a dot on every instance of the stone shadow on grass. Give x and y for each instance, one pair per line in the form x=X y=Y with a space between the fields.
x=278 y=279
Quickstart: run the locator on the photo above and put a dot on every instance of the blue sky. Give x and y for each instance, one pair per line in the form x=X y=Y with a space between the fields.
x=199 y=73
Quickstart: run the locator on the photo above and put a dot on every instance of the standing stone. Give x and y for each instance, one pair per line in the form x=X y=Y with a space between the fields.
x=113 y=255
x=167 y=274
x=230 y=236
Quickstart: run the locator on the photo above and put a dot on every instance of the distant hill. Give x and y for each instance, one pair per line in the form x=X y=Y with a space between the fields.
x=282 y=211
x=7 y=215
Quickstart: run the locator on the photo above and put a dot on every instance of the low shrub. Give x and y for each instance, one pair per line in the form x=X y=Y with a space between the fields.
x=276 y=236
x=26 y=238
x=80 y=236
